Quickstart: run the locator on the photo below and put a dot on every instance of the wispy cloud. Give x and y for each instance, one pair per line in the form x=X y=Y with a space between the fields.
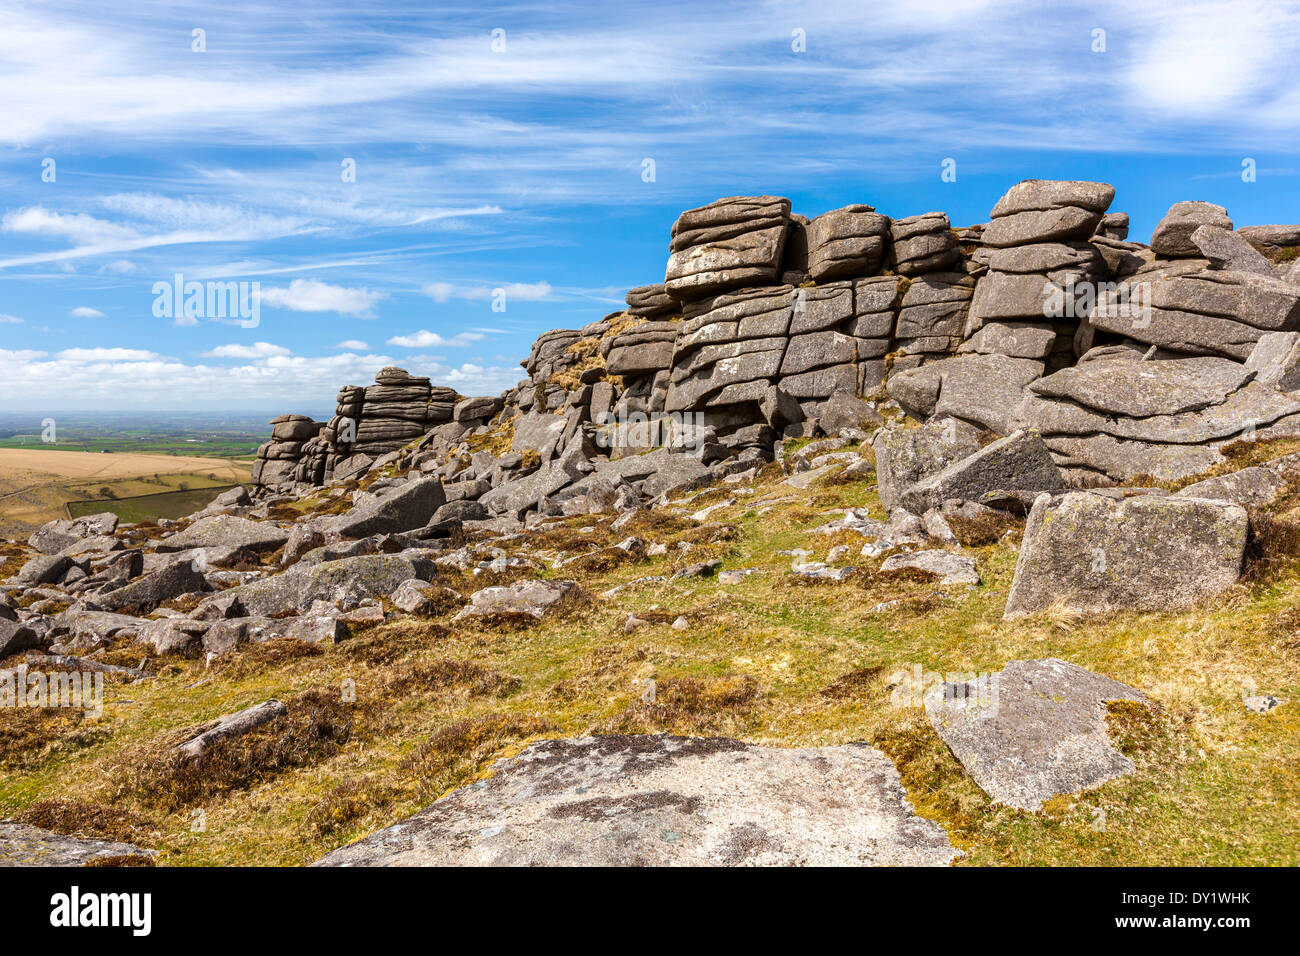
x=521 y=291
x=312 y=295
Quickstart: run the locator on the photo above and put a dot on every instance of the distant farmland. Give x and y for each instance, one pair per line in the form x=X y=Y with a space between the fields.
x=190 y=434
x=39 y=484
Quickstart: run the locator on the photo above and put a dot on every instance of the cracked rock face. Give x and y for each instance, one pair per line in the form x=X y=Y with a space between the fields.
x=1035 y=730
x=1203 y=312
x=665 y=801
x=1164 y=418
x=981 y=389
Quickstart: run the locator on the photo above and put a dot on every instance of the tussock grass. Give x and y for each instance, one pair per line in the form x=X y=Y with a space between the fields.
x=91 y=821
x=317 y=724
x=463 y=747
x=30 y=735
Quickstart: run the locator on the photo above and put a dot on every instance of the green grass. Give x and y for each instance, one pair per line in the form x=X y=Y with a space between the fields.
x=437 y=701
x=167 y=504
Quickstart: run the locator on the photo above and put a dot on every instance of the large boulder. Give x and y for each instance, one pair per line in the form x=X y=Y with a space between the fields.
x=1042 y=210
x=54 y=536
x=906 y=455
x=16 y=636
x=1256 y=486
x=1032 y=731
x=404 y=507
x=43 y=569
x=344 y=581
x=846 y=243
x=1205 y=312
x=27 y=846
x=668 y=801
x=525 y=600
x=728 y=244
x=1019 y=462
x=227 y=531
x=1228 y=250
x=1275 y=360
x=1090 y=552
x=172 y=580
x=981 y=389
x=1173 y=234
x=923 y=244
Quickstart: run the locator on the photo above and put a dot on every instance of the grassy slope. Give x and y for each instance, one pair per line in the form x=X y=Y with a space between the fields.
x=771 y=660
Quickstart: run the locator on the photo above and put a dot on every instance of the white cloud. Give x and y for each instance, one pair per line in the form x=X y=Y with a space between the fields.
x=119 y=267
x=352 y=345
x=312 y=295
x=439 y=291
x=162 y=221
x=9 y=319
x=85 y=312
x=254 y=351
x=106 y=355
x=425 y=339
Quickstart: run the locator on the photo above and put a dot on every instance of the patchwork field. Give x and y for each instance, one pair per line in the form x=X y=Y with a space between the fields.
x=36 y=484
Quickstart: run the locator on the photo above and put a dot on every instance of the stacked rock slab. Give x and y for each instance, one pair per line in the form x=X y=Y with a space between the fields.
x=770 y=323
x=394 y=410
x=932 y=317
x=277 y=460
x=641 y=356
x=1043 y=271
x=810 y=342
x=1183 y=306
x=650 y=301
x=733 y=243
x=369 y=422
x=923 y=244
x=845 y=243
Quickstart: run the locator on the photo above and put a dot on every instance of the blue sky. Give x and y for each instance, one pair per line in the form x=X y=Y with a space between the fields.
x=520 y=167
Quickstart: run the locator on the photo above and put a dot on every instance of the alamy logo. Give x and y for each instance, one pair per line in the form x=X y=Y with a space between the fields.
x=73 y=909
x=186 y=302
x=73 y=690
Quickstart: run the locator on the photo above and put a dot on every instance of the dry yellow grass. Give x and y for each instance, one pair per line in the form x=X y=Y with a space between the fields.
x=36 y=483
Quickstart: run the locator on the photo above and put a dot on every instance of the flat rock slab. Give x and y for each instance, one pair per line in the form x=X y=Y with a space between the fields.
x=22 y=845
x=1035 y=730
x=951 y=568
x=526 y=599
x=667 y=801
x=226 y=531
